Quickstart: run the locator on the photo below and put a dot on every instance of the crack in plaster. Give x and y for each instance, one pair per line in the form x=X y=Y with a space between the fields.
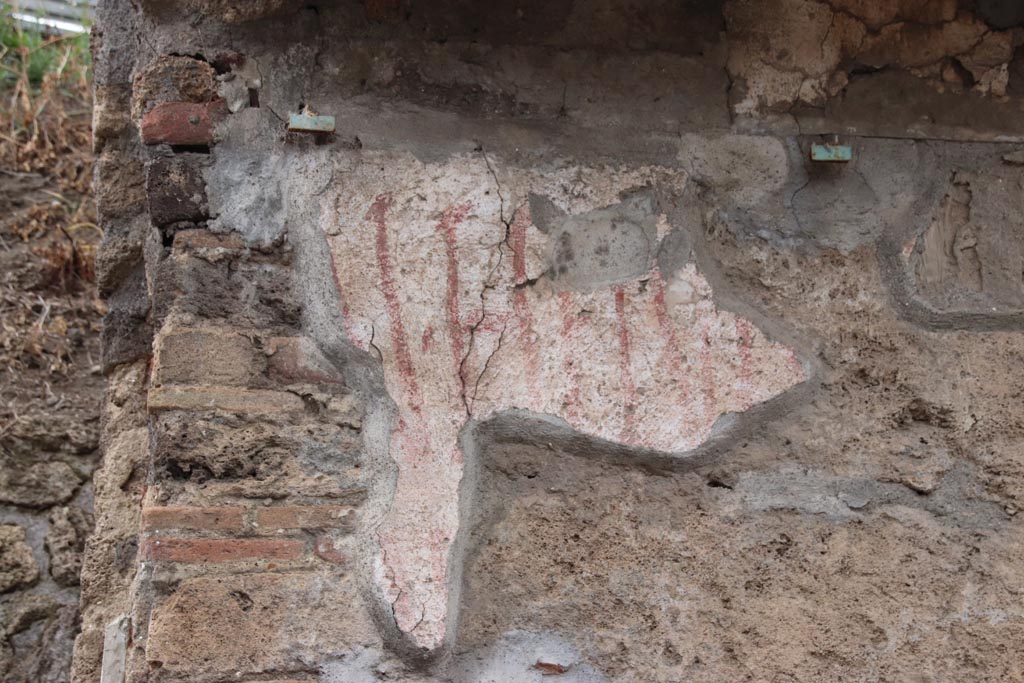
x=594 y=358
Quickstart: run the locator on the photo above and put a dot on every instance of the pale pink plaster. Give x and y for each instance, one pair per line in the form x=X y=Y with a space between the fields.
x=427 y=272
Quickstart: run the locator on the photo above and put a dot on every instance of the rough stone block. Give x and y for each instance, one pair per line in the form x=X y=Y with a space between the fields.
x=176 y=190
x=17 y=566
x=251 y=293
x=65 y=542
x=127 y=334
x=257 y=457
x=110 y=113
x=177 y=517
x=37 y=484
x=120 y=185
x=306 y=517
x=228 y=399
x=182 y=123
x=120 y=252
x=172 y=78
x=205 y=356
x=224 y=10
x=299 y=360
x=246 y=625
x=220 y=549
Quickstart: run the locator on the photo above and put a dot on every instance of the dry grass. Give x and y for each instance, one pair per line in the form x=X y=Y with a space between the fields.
x=49 y=310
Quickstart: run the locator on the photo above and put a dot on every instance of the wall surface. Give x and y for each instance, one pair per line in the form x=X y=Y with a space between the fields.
x=559 y=357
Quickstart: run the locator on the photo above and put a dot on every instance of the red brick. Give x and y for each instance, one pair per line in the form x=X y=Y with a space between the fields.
x=220 y=549
x=306 y=517
x=219 y=518
x=182 y=123
x=196 y=239
x=326 y=549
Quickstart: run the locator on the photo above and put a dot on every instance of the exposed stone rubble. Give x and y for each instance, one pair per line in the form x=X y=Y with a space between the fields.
x=559 y=357
x=774 y=69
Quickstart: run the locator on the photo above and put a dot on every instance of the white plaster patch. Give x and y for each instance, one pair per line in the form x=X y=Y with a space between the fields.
x=453 y=300
x=522 y=657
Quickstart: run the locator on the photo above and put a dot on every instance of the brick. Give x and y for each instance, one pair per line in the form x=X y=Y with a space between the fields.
x=298 y=359
x=205 y=356
x=306 y=517
x=326 y=548
x=213 y=518
x=176 y=190
x=227 y=399
x=256 y=625
x=204 y=240
x=182 y=123
x=220 y=549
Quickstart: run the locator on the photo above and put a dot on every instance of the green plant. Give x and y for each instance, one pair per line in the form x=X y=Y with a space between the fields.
x=36 y=66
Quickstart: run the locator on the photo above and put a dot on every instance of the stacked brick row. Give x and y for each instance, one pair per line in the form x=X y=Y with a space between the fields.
x=233 y=479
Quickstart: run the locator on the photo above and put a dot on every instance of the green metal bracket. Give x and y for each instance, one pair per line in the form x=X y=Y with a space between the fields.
x=310 y=123
x=831 y=152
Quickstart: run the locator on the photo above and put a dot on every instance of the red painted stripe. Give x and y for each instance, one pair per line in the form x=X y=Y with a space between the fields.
x=571 y=401
x=745 y=342
x=673 y=355
x=625 y=366
x=520 y=304
x=707 y=374
x=399 y=340
x=346 y=318
x=519 y=224
x=450 y=220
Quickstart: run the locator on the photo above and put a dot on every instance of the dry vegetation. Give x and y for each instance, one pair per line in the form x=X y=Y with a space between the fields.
x=49 y=311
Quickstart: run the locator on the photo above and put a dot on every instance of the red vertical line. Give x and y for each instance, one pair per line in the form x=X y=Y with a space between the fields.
x=673 y=354
x=707 y=372
x=519 y=223
x=519 y=302
x=450 y=220
x=625 y=365
x=745 y=340
x=378 y=213
x=565 y=305
x=569 y=372
x=795 y=363
x=346 y=317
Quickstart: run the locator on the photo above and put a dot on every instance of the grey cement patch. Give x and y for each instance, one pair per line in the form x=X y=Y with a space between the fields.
x=804 y=491
x=602 y=247
x=246 y=195
x=957 y=499
x=523 y=657
x=972 y=255
x=360 y=666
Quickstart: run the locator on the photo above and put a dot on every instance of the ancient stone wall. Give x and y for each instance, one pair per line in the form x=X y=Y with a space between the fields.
x=556 y=353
